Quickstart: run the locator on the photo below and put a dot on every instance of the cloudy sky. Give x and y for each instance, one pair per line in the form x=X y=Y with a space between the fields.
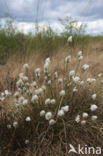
x=26 y=12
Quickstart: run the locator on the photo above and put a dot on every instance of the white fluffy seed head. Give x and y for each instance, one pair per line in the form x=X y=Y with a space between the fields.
x=25 y=102
x=49 y=82
x=25 y=66
x=72 y=73
x=94 y=117
x=52 y=122
x=80 y=58
x=28 y=119
x=34 y=84
x=81 y=83
x=56 y=75
x=85 y=115
x=48 y=115
x=68 y=59
x=77 y=119
x=62 y=93
x=76 y=79
x=47 y=101
x=60 y=80
x=70 y=39
x=26 y=142
x=60 y=113
x=35 y=98
x=80 y=53
x=21 y=75
x=16 y=94
x=44 y=87
x=40 y=90
x=75 y=90
x=42 y=113
x=9 y=126
x=53 y=101
x=93 y=107
x=21 y=99
x=15 y=124
x=100 y=75
x=65 y=108
x=85 y=67
x=47 y=60
x=94 y=96
x=83 y=122
x=91 y=80
x=37 y=72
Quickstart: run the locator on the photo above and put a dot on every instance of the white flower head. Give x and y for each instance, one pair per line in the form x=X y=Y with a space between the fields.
x=80 y=58
x=62 y=93
x=60 y=113
x=25 y=102
x=47 y=101
x=42 y=113
x=2 y=99
x=47 y=64
x=25 y=67
x=56 y=75
x=85 y=67
x=94 y=117
x=16 y=94
x=28 y=119
x=9 y=126
x=35 y=98
x=83 y=122
x=65 y=108
x=21 y=99
x=76 y=79
x=85 y=115
x=80 y=53
x=94 y=96
x=15 y=124
x=49 y=82
x=60 y=80
x=48 y=115
x=72 y=73
x=100 y=75
x=21 y=75
x=48 y=60
x=93 y=107
x=70 y=39
x=75 y=90
x=37 y=72
x=34 y=84
x=91 y=80
x=7 y=93
x=44 y=87
x=53 y=101
x=26 y=142
x=77 y=119
x=52 y=122
x=19 y=83
x=2 y=94
x=68 y=59
x=40 y=90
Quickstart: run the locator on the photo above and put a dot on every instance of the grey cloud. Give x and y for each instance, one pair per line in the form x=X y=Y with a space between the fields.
x=47 y=10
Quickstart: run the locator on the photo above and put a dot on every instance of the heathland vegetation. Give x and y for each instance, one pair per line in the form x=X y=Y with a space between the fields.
x=51 y=90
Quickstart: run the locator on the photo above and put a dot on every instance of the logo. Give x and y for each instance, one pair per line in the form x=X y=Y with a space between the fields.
x=85 y=150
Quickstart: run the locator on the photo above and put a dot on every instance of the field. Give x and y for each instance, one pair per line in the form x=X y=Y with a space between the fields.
x=51 y=94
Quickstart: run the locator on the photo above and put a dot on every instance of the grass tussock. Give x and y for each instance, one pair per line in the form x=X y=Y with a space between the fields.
x=52 y=104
